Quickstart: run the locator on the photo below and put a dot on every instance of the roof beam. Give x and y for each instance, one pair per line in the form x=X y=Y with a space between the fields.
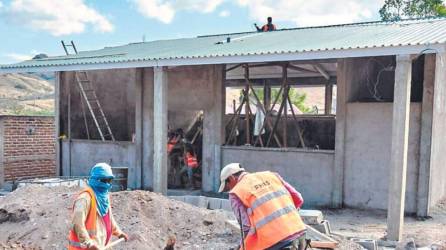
x=294 y=81
x=321 y=70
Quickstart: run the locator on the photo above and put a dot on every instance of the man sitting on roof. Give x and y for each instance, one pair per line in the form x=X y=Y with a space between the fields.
x=267 y=27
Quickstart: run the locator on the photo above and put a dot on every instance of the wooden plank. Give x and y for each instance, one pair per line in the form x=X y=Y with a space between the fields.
x=323 y=244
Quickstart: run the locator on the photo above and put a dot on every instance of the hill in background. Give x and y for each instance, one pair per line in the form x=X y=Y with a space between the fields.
x=27 y=94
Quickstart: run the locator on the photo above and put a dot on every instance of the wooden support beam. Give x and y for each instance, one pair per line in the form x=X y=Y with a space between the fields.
x=328 y=97
x=321 y=70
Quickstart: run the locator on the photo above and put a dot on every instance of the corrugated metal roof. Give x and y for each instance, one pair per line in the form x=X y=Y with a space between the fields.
x=299 y=40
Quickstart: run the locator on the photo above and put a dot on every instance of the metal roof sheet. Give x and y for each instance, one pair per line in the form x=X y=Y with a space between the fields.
x=311 y=39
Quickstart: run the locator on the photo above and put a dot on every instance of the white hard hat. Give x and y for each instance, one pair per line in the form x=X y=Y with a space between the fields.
x=227 y=171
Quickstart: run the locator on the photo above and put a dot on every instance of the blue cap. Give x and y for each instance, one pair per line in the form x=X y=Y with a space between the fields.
x=101 y=171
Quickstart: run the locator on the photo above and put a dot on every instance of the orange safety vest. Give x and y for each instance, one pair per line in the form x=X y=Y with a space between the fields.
x=172 y=142
x=271 y=211
x=90 y=223
x=191 y=160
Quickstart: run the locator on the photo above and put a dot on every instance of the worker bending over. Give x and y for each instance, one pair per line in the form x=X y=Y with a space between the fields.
x=266 y=207
x=92 y=221
x=267 y=27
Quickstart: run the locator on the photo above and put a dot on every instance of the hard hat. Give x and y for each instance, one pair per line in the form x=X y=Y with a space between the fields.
x=227 y=171
x=101 y=171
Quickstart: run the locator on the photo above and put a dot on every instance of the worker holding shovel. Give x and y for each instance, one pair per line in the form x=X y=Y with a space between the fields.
x=92 y=221
x=266 y=207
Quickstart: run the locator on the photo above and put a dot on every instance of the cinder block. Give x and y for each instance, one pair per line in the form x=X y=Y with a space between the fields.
x=203 y=202
x=323 y=227
x=366 y=243
x=214 y=203
x=178 y=198
x=226 y=205
x=311 y=217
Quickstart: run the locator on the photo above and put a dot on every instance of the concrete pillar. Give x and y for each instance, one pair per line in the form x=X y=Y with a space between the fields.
x=147 y=128
x=437 y=189
x=58 y=141
x=2 y=154
x=424 y=175
x=160 y=130
x=344 y=76
x=213 y=132
x=400 y=138
x=328 y=97
x=137 y=171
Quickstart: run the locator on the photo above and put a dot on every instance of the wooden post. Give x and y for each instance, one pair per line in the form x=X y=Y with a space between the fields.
x=400 y=137
x=285 y=99
x=247 y=108
x=328 y=97
x=266 y=95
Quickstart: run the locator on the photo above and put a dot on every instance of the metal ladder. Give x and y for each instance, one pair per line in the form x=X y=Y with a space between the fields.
x=91 y=99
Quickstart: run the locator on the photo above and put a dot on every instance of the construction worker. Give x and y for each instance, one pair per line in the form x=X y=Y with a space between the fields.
x=92 y=220
x=267 y=27
x=266 y=207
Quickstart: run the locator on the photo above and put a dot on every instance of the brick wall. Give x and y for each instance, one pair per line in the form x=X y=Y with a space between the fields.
x=28 y=147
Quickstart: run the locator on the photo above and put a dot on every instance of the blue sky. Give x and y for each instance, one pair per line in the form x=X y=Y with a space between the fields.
x=28 y=27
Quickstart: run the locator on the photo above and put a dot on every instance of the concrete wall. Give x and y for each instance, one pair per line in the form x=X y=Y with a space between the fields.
x=116 y=93
x=84 y=154
x=367 y=155
x=310 y=172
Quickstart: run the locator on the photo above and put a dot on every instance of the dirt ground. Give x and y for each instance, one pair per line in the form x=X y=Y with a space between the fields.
x=36 y=217
x=30 y=223
x=372 y=225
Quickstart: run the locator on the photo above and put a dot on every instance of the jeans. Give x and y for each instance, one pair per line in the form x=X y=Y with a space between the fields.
x=297 y=244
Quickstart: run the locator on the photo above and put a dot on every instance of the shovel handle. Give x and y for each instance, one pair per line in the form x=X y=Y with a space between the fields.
x=114 y=243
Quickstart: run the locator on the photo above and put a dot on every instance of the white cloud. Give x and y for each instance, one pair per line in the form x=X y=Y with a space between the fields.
x=312 y=13
x=224 y=13
x=1 y=4
x=165 y=10
x=61 y=17
x=19 y=57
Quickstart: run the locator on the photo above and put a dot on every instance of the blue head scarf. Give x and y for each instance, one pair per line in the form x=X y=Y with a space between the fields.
x=101 y=189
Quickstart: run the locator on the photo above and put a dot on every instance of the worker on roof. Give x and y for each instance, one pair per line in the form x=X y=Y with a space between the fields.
x=267 y=27
x=266 y=207
x=92 y=220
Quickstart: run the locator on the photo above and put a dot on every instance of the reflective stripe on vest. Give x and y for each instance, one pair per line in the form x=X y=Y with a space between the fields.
x=90 y=223
x=191 y=161
x=260 y=201
x=271 y=210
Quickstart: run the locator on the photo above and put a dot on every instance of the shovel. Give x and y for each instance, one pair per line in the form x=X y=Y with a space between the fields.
x=114 y=243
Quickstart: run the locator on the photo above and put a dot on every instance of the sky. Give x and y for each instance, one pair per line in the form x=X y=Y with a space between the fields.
x=30 y=27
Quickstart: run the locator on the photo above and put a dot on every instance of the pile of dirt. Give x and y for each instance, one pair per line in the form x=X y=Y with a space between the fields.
x=36 y=217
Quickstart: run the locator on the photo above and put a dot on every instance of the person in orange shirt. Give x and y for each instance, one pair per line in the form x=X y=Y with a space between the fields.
x=266 y=207
x=93 y=223
x=267 y=27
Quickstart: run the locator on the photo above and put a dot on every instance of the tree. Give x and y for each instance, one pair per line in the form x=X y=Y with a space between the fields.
x=394 y=10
